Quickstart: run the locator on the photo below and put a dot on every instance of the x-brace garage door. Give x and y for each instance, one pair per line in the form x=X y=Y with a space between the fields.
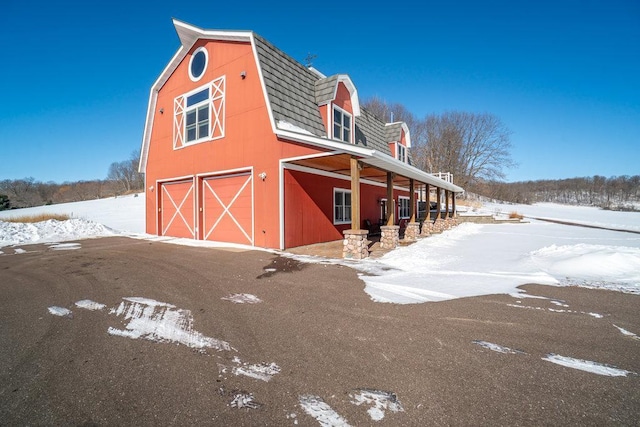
x=177 y=217
x=227 y=208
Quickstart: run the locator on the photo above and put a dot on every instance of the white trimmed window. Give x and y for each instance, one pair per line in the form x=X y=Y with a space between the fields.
x=403 y=207
x=401 y=152
x=341 y=206
x=198 y=116
x=341 y=125
x=198 y=64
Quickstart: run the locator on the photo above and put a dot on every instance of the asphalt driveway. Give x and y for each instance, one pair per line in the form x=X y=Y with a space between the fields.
x=313 y=349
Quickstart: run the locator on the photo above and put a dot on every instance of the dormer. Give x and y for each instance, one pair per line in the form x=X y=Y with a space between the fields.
x=337 y=100
x=399 y=139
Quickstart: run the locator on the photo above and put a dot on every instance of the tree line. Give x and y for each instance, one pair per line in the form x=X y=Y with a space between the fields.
x=617 y=192
x=474 y=147
x=122 y=178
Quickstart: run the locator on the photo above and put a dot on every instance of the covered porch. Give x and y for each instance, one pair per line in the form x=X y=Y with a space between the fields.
x=369 y=167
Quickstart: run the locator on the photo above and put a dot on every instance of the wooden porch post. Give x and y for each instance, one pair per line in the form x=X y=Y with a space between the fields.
x=355 y=194
x=453 y=205
x=412 y=201
x=427 y=197
x=438 y=203
x=446 y=204
x=390 y=206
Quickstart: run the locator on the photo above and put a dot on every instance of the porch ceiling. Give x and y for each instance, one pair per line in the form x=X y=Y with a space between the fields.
x=340 y=164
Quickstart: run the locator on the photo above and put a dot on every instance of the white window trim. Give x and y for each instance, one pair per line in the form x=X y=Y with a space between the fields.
x=351 y=124
x=404 y=159
x=205 y=102
x=333 y=204
x=217 y=105
x=206 y=62
x=408 y=213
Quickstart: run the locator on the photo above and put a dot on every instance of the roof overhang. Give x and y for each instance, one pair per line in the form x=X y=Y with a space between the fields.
x=372 y=158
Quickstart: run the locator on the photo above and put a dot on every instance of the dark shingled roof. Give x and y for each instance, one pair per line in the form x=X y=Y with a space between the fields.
x=290 y=87
x=295 y=93
x=393 y=132
x=325 y=89
x=370 y=132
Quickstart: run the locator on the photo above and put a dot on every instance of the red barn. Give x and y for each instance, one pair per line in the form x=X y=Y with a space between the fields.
x=243 y=144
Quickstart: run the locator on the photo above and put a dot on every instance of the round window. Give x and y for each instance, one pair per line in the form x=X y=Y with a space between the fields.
x=198 y=64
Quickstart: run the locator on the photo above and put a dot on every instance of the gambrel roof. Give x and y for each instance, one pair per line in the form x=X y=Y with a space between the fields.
x=290 y=87
x=293 y=94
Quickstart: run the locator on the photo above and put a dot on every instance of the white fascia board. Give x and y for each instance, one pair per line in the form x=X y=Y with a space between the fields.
x=148 y=128
x=153 y=97
x=265 y=95
x=407 y=134
x=188 y=33
x=390 y=164
x=325 y=143
x=317 y=72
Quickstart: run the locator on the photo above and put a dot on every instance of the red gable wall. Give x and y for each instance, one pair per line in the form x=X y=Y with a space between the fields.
x=248 y=142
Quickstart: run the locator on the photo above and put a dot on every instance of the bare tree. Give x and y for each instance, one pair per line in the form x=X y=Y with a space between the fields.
x=395 y=112
x=22 y=192
x=126 y=173
x=474 y=147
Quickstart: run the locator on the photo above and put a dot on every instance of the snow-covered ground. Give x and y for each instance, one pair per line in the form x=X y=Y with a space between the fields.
x=575 y=214
x=469 y=260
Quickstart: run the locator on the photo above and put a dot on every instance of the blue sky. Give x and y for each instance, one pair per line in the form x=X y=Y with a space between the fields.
x=563 y=76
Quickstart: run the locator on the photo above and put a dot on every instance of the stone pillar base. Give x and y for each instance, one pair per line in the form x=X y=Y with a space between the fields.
x=356 y=245
x=425 y=231
x=412 y=231
x=438 y=226
x=389 y=237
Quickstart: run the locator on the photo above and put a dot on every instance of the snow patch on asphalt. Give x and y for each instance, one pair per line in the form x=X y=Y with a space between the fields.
x=555 y=310
x=161 y=322
x=496 y=347
x=60 y=311
x=523 y=294
x=587 y=366
x=323 y=413
x=260 y=371
x=64 y=246
x=379 y=401
x=627 y=333
x=244 y=400
x=87 y=304
x=243 y=299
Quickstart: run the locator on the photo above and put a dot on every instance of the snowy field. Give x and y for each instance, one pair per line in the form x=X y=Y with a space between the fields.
x=469 y=260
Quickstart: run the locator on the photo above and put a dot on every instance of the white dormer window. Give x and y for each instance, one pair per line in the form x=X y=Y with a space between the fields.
x=401 y=152
x=341 y=125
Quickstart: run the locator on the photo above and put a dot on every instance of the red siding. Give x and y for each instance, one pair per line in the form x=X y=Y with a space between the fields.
x=249 y=140
x=308 y=212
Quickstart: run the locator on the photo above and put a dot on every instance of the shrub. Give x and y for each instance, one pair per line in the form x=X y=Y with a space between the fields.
x=37 y=218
